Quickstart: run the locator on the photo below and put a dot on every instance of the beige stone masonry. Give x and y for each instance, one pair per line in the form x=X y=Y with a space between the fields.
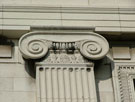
x=66 y=72
x=17 y=20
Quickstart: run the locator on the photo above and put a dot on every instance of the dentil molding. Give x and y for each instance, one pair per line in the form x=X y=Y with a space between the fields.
x=36 y=44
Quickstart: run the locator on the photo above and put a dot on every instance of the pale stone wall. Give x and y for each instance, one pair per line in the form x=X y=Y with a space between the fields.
x=16 y=20
x=102 y=3
x=106 y=16
x=16 y=85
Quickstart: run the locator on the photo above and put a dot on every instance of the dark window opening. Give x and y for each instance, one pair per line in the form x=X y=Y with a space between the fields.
x=134 y=83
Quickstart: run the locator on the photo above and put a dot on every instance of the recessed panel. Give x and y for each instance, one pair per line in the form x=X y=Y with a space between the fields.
x=5 y=51
x=120 y=53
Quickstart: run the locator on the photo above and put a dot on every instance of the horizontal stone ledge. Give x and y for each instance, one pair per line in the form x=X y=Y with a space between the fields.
x=62 y=28
x=79 y=8
x=15 y=31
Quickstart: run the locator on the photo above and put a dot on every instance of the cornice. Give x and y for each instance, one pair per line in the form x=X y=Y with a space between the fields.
x=66 y=9
x=113 y=21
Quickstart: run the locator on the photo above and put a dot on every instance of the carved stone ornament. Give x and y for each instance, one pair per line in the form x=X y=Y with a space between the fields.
x=35 y=45
x=65 y=72
x=124 y=78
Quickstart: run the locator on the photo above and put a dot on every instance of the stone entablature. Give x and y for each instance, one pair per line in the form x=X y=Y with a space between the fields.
x=18 y=19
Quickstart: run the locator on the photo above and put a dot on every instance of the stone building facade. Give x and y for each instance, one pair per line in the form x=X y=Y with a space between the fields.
x=67 y=51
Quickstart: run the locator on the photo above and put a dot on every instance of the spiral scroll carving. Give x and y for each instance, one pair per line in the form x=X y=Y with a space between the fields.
x=93 y=49
x=33 y=49
x=36 y=44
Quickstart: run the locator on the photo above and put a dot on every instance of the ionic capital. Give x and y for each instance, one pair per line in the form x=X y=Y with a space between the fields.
x=35 y=45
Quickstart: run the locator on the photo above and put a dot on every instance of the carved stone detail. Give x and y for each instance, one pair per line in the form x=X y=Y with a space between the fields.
x=93 y=49
x=35 y=45
x=65 y=61
x=64 y=45
x=65 y=84
x=62 y=57
x=126 y=74
x=34 y=48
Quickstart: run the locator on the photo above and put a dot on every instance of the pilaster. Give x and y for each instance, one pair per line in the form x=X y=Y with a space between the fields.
x=65 y=71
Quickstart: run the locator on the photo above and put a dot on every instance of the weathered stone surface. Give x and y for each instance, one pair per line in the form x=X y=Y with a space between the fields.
x=108 y=17
x=12 y=70
x=5 y=51
x=17 y=96
x=99 y=14
x=90 y=45
x=24 y=84
x=6 y=84
x=123 y=76
x=65 y=72
x=120 y=53
x=106 y=97
x=104 y=85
